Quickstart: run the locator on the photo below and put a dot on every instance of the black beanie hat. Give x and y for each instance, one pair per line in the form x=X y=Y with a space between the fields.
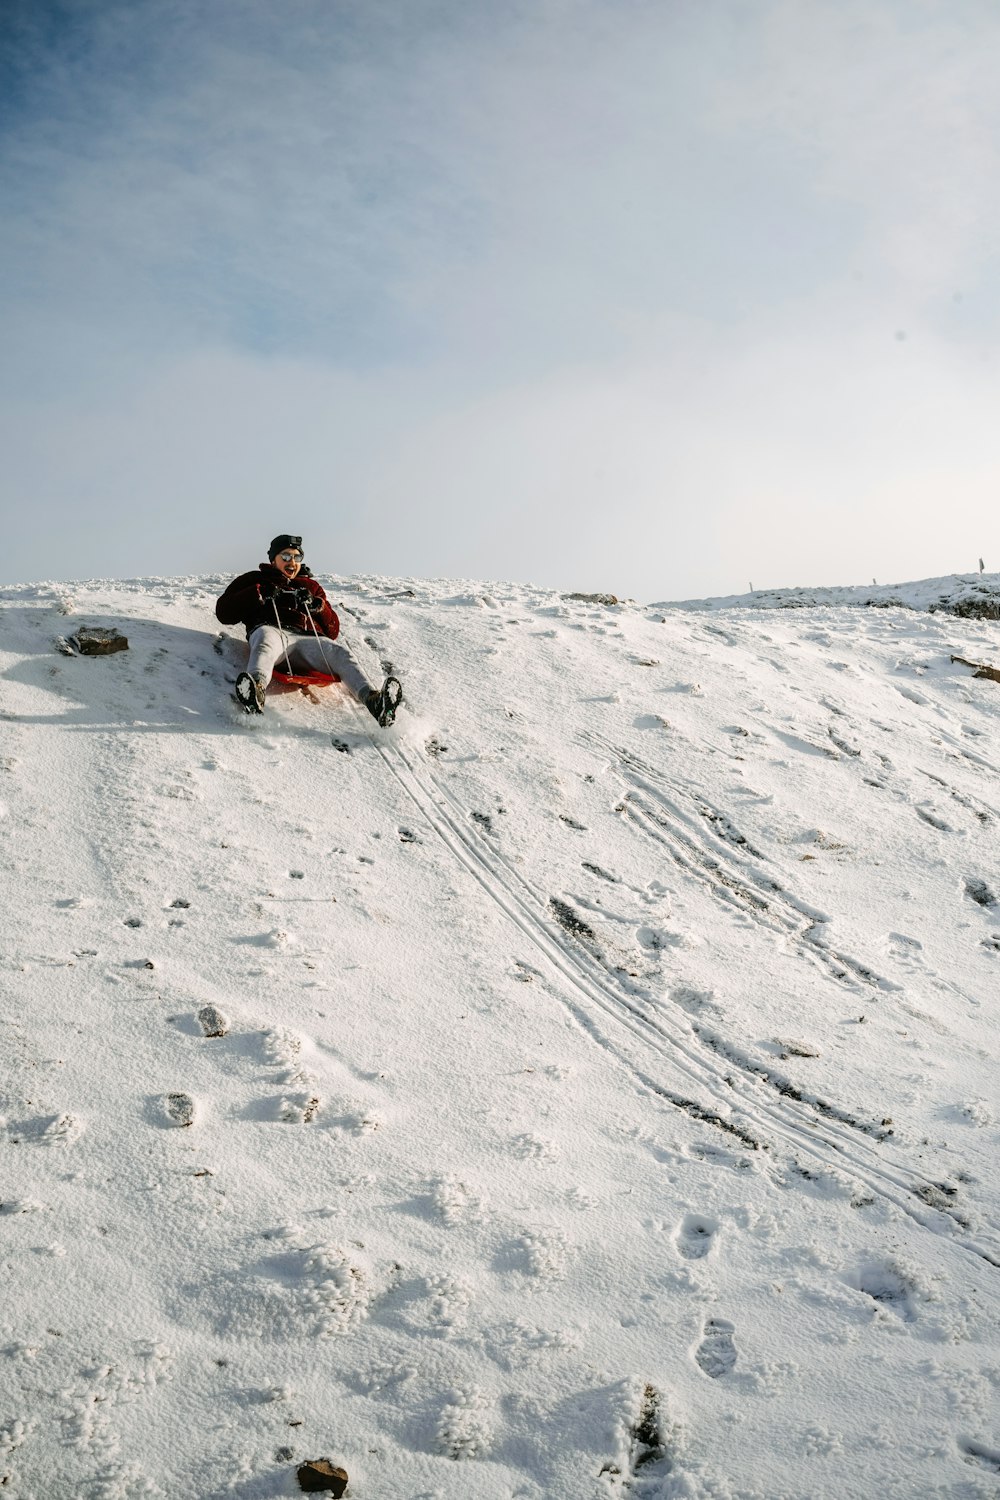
x=280 y=543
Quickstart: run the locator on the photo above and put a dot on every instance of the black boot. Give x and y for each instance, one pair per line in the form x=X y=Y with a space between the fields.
x=250 y=693
x=382 y=702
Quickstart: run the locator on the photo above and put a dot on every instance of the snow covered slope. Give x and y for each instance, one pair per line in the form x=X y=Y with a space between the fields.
x=970 y=595
x=608 y=1100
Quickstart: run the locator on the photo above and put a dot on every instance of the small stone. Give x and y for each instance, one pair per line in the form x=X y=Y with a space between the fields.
x=792 y=1048
x=213 y=1022
x=94 y=640
x=320 y=1475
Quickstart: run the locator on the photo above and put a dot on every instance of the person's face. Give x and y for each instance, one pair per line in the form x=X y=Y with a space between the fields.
x=289 y=561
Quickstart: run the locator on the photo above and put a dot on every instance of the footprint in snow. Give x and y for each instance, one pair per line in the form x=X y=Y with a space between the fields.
x=212 y=1020
x=540 y=1253
x=454 y=1202
x=716 y=1354
x=907 y=951
x=47 y=1130
x=695 y=1236
x=298 y=1109
x=928 y=813
x=978 y=891
x=888 y=1285
x=981 y=1454
x=534 y=1148
x=179 y=1109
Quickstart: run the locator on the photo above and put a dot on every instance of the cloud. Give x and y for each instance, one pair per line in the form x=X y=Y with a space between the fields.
x=895 y=109
x=558 y=291
x=507 y=183
x=787 y=463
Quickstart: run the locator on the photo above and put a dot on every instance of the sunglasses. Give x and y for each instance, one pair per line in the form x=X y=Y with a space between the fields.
x=290 y=556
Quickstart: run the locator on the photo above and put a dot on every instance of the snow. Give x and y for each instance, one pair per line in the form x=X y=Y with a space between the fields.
x=606 y=1101
x=956 y=593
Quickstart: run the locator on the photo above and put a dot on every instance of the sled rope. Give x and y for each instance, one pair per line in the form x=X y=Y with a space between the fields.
x=284 y=638
x=322 y=648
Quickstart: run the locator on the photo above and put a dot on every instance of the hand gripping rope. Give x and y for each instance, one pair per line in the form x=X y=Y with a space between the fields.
x=322 y=648
x=284 y=638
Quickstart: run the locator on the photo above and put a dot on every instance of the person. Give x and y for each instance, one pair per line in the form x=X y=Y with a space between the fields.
x=290 y=624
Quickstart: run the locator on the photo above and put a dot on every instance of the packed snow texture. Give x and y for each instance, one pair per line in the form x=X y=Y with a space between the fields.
x=586 y=1087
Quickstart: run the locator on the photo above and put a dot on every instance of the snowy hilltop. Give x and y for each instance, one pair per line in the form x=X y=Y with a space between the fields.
x=586 y=1088
x=972 y=596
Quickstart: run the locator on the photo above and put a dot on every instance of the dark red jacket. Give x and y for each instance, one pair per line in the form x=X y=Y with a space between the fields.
x=250 y=600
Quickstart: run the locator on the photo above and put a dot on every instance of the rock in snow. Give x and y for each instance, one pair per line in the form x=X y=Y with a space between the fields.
x=319 y=1474
x=95 y=640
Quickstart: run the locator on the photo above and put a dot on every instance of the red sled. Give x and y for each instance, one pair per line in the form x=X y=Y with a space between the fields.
x=306 y=679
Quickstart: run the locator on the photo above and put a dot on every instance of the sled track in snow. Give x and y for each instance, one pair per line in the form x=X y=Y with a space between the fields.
x=601 y=1003
x=653 y=806
x=722 y=864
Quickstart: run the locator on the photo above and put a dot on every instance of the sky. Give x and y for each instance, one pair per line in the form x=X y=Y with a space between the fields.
x=661 y=297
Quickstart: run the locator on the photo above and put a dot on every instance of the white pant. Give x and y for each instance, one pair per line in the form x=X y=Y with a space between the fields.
x=271 y=647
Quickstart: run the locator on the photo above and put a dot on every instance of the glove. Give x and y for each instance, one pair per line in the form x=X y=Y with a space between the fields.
x=288 y=600
x=312 y=602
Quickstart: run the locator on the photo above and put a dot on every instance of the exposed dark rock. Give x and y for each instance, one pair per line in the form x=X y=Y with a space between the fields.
x=973 y=607
x=982 y=670
x=319 y=1475
x=95 y=640
x=608 y=599
x=796 y=1049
